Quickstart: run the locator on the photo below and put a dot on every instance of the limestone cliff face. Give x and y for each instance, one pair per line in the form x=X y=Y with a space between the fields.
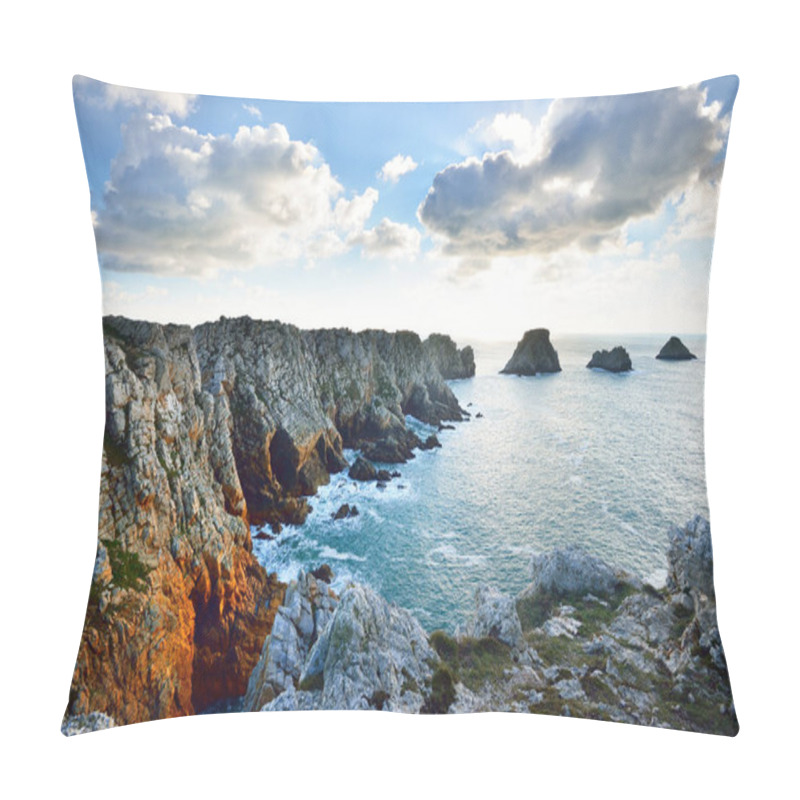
x=179 y=608
x=208 y=431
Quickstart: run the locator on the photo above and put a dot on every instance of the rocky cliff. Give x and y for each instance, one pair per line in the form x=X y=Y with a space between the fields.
x=533 y=355
x=299 y=397
x=615 y=360
x=449 y=360
x=582 y=639
x=208 y=431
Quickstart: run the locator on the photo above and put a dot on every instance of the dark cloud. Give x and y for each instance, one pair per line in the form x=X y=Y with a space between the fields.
x=598 y=163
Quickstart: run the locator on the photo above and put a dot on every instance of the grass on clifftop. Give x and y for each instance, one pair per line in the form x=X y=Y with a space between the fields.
x=472 y=661
x=535 y=610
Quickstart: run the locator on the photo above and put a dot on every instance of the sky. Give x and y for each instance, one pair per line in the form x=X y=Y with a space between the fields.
x=480 y=220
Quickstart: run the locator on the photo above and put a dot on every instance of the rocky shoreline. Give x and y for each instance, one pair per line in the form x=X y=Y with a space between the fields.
x=209 y=431
x=582 y=639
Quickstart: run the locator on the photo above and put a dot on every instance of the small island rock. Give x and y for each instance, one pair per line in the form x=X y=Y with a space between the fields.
x=616 y=360
x=534 y=354
x=345 y=511
x=675 y=350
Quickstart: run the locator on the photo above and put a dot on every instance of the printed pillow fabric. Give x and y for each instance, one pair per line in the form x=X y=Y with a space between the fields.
x=353 y=455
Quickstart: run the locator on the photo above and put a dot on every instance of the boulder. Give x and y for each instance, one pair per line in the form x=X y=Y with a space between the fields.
x=616 y=360
x=533 y=355
x=430 y=443
x=496 y=617
x=392 y=450
x=675 y=350
x=323 y=573
x=572 y=572
x=363 y=470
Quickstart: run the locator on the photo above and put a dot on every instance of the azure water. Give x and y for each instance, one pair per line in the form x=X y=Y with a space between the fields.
x=580 y=457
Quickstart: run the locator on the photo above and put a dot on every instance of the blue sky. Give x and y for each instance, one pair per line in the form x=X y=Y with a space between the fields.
x=481 y=220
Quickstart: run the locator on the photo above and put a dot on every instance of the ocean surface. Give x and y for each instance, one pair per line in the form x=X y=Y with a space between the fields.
x=584 y=457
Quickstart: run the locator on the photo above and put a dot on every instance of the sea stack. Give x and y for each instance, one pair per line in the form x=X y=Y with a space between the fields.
x=534 y=354
x=616 y=360
x=675 y=350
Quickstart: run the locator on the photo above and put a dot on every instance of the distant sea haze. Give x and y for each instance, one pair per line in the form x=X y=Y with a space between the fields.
x=606 y=461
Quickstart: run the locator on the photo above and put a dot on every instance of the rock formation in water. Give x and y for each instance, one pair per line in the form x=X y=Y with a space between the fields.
x=616 y=360
x=675 y=350
x=533 y=355
x=208 y=431
x=583 y=639
x=449 y=360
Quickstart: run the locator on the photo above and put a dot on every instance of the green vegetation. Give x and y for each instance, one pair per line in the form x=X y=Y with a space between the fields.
x=443 y=691
x=536 y=609
x=472 y=661
x=127 y=568
x=683 y=616
x=312 y=683
x=116 y=456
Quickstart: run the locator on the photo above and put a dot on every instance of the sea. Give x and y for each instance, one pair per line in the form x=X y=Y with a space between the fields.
x=582 y=457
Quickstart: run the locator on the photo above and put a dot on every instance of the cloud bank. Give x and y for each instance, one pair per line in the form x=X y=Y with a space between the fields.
x=179 y=202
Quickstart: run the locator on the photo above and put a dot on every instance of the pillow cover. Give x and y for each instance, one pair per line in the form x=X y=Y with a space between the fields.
x=346 y=464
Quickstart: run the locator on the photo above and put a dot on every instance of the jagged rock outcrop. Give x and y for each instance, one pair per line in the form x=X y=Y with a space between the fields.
x=449 y=360
x=372 y=654
x=634 y=654
x=675 y=350
x=307 y=609
x=584 y=639
x=533 y=355
x=208 y=431
x=615 y=360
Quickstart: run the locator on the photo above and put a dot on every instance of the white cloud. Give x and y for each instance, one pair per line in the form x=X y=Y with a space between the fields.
x=512 y=132
x=110 y=95
x=185 y=203
x=251 y=109
x=589 y=167
x=389 y=239
x=396 y=167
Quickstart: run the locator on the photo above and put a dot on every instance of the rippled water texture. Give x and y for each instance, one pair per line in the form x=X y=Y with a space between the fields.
x=584 y=456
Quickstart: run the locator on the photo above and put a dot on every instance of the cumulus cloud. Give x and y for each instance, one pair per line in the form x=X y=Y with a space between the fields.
x=395 y=168
x=589 y=167
x=389 y=239
x=109 y=96
x=251 y=109
x=512 y=132
x=185 y=203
